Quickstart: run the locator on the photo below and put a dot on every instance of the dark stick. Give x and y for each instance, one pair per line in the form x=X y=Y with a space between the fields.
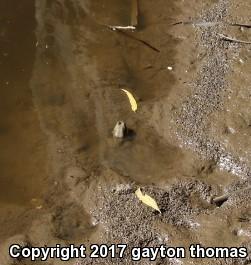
x=207 y=23
x=224 y=37
x=223 y=198
x=136 y=39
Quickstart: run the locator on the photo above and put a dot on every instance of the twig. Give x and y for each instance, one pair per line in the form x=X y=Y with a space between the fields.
x=134 y=19
x=196 y=23
x=223 y=198
x=241 y=25
x=220 y=200
x=209 y=24
x=134 y=38
x=122 y=27
x=224 y=37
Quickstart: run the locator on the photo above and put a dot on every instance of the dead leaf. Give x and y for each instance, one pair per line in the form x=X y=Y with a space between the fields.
x=132 y=100
x=146 y=199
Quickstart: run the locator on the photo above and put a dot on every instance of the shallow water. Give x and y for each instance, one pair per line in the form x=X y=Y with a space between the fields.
x=61 y=76
x=23 y=146
x=40 y=103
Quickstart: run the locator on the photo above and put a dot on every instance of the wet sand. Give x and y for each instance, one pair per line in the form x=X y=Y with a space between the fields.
x=64 y=179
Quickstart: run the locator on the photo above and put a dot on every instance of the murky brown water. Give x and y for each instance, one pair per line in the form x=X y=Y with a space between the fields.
x=61 y=74
x=23 y=154
x=111 y=13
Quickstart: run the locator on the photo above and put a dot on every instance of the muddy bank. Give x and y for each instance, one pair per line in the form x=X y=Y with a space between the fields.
x=191 y=131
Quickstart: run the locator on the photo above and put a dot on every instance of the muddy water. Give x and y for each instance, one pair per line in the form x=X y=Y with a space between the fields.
x=52 y=104
x=79 y=94
x=62 y=70
x=111 y=13
x=23 y=145
x=124 y=62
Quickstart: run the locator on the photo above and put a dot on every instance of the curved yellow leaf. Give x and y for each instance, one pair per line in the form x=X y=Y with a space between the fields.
x=131 y=100
x=146 y=199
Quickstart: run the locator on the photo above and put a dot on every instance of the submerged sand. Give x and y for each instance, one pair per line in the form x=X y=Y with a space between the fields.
x=190 y=138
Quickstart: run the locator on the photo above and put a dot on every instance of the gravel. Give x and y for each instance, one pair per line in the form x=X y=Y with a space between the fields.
x=210 y=89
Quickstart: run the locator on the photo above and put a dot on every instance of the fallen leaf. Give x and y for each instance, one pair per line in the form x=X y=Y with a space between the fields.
x=146 y=199
x=131 y=99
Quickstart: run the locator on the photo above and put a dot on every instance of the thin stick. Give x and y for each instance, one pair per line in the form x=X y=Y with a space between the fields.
x=122 y=27
x=207 y=23
x=134 y=38
x=224 y=37
x=196 y=23
x=241 y=25
x=221 y=199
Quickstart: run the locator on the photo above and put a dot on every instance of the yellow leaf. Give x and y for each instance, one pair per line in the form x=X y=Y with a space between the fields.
x=146 y=199
x=131 y=99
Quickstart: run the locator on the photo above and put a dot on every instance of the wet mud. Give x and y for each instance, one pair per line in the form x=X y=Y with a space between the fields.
x=65 y=179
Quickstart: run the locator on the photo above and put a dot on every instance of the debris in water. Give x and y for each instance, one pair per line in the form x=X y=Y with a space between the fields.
x=119 y=30
x=122 y=27
x=146 y=199
x=119 y=130
x=134 y=19
x=132 y=100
